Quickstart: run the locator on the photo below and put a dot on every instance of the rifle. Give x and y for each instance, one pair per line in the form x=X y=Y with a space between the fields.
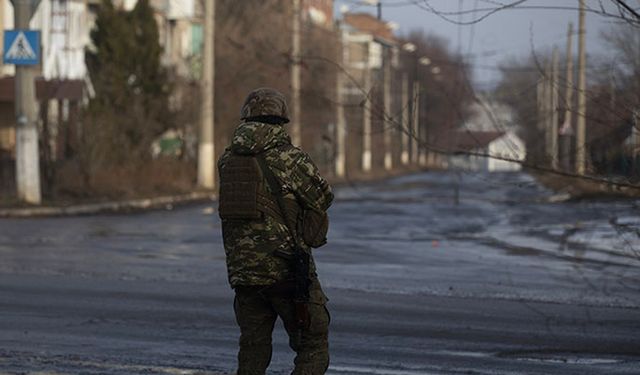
x=301 y=257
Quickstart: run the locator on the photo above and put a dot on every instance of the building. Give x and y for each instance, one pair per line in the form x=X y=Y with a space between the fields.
x=64 y=27
x=365 y=38
x=491 y=151
x=371 y=59
x=489 y=130
x=488 y=115
x=180 y=31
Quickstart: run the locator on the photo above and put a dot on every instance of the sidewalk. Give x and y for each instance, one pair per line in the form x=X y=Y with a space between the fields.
x=108 y=207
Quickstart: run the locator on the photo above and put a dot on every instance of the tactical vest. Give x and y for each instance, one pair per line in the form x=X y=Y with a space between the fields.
x=244 y=196
x=243 y=191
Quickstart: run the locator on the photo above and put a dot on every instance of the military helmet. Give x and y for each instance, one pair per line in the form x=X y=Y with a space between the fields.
x=265 y=101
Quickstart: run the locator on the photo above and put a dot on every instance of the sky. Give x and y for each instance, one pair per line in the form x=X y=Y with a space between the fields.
x=500 y=36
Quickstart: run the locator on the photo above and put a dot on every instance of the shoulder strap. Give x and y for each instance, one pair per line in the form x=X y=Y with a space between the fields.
x=301 y=259
x=276 y=190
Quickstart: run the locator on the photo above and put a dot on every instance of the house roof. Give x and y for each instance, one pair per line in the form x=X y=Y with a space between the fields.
x=470 y=140
x=369 y=24
x=72 y=89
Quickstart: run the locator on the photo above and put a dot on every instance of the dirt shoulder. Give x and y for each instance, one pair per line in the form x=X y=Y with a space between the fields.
x=582 y=188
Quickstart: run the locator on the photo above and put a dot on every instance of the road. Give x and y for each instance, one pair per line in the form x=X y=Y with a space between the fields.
x=502 y=282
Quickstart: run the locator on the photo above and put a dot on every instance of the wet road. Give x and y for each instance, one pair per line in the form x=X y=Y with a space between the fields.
x=501 y=283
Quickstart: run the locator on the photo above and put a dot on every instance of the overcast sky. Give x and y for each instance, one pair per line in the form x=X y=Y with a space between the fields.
x=501 y=35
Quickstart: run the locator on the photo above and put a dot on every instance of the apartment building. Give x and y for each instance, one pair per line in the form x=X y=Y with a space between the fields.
x=370 y=52
x=65 y=27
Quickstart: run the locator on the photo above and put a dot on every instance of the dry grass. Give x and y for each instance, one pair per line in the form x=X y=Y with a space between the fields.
x=578 y=187
x=153 y=178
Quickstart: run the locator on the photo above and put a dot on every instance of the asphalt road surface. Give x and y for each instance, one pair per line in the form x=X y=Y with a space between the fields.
x=501 y=283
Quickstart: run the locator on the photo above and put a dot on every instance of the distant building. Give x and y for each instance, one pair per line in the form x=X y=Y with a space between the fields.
x=180 y=33
x=489 y=115
x=369 y=43
x=365 y=36
x=487 y=151
x=490 y=130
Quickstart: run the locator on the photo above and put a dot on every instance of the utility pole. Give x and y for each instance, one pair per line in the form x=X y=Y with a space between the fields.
x=296 y=74
x=386 y=128
x=541 y=122
x=404 y=156
x=567 y=129
x=415 y=122
x=581 y=144
x=612 y=99
x=341 y=128
x=545 y=104
x=635 y=140
x=206 y=146
x=553 y=129
x=366 y=118
x=2 y=27
x=27 y=152
x=540 y=103
x=422 y=150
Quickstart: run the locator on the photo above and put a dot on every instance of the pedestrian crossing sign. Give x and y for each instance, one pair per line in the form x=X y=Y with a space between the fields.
x=21 y=47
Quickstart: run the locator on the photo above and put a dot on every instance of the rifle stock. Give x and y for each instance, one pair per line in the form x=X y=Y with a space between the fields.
x=302 y=284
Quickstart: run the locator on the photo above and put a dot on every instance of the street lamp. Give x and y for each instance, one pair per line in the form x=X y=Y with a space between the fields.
x=409 y=47
x=424 y=61
x=415 y=106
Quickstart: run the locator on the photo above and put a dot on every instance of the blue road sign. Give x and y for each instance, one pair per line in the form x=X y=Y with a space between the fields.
x=21 y=47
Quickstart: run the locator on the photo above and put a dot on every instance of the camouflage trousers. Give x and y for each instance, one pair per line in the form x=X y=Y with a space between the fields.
x=256 y=312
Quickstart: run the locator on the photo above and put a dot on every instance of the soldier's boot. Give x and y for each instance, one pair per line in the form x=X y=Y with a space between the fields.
x=256 y=319
x=312 y=344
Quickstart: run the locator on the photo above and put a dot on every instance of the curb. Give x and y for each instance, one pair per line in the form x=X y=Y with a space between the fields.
x=107 y=207
x=143 y=204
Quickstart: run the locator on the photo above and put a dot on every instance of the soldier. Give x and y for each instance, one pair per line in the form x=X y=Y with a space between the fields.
x=270 y=193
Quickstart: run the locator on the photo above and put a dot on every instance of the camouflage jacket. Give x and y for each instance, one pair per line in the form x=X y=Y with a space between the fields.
x=250 y=244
